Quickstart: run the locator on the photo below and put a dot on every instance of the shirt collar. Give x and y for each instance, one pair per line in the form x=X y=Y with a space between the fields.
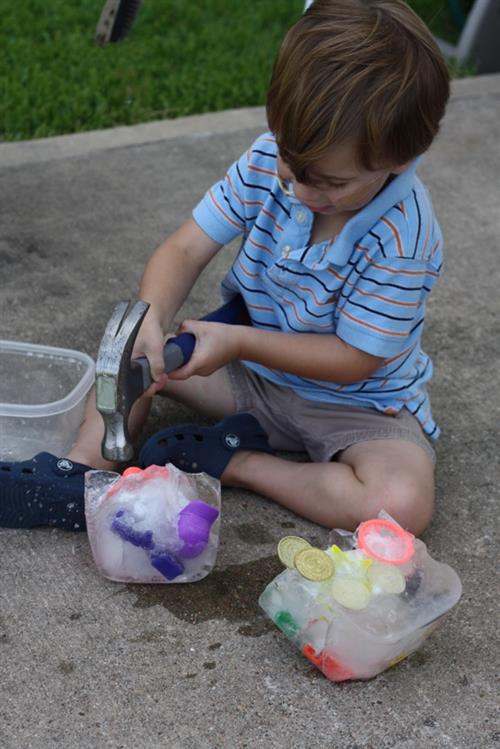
x=361 y=223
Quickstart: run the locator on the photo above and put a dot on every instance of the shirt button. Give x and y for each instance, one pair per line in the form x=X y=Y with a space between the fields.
x=286 y=250
x=300 y=216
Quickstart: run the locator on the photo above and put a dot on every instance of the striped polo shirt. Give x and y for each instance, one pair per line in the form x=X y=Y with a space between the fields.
x=368 y=286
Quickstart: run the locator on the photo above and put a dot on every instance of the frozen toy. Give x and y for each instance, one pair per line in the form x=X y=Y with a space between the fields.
x=159 y=525
x=364 y=603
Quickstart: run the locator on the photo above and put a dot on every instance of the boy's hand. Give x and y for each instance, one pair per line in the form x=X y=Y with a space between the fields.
x=150 y=343
x=216 y=345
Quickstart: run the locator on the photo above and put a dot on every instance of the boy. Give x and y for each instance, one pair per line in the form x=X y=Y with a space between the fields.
x=340 y=251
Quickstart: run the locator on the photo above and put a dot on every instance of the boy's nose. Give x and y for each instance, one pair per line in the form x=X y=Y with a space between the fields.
x=307 y=193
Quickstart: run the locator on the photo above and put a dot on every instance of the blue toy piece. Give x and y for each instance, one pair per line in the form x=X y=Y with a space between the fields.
x=123 y=523
x=167 y=564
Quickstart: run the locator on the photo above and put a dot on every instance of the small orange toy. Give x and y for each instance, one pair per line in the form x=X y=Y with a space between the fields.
x=150 y=472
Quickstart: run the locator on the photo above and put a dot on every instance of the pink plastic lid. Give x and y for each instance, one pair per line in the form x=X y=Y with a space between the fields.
x=385 y=541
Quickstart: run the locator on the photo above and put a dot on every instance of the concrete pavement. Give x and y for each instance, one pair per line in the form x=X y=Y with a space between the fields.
x=87 y=663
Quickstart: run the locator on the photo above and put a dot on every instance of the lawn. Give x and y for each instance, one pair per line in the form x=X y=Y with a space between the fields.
x=181 y=57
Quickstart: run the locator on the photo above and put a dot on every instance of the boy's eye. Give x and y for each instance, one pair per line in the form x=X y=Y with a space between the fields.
x=336 y=185
x=329 y=185
x=326 y=184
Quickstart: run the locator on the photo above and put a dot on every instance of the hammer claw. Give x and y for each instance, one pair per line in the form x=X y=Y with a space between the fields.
x=119 y=336
x=114 y=394
x=125 y=320
x=116 y=319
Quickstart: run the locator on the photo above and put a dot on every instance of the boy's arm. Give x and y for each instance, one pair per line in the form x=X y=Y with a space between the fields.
x=173 y=268
x=310 y=355
x=167 y=279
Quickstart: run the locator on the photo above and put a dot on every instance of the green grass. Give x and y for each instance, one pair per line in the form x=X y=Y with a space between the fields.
x=181 y=57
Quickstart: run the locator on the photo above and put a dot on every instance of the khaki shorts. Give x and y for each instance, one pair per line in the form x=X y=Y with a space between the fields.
x=295 y=424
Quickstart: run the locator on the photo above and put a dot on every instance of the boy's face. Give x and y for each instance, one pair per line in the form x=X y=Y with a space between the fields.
x=336 y=183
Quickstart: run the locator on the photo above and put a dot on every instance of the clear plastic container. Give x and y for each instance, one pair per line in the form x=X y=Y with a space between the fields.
x=42 y=398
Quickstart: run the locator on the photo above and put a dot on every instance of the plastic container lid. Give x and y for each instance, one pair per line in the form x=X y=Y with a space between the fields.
x=386 y=541
x=28 y=371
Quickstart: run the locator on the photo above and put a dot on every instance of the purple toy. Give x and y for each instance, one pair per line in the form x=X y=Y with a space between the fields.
x=193 y=527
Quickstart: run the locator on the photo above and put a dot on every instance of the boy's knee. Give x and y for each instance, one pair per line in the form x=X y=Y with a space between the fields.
x=410 y=502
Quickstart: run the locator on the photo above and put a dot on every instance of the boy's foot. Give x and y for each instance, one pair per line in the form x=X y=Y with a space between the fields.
x=45 y=490
x=195 y=449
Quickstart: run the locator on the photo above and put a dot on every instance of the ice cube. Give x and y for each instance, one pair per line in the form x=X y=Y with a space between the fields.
x=142 y=523
x=110 y=551
x=385 y=596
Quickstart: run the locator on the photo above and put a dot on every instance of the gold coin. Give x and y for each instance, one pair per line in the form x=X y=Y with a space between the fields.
x=314 y=564
x=288 y=548
x=386 y=578
x=350 y=592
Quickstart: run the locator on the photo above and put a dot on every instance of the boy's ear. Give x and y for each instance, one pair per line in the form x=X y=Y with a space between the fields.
x=400 y=169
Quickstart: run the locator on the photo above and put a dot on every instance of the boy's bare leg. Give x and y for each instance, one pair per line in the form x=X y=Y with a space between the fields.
x=209 y=395
x=394 y=475
x=87 y=448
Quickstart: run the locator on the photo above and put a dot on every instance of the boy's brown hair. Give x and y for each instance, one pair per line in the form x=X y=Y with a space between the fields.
x=367 y=71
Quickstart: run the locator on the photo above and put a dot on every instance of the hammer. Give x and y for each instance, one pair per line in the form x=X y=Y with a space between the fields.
x=120 y=380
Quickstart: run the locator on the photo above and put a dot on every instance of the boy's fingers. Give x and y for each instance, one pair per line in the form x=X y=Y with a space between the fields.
x=152 y=390
x=187 y=326
x=156 y=362
x=157 y=367
x=157 y=385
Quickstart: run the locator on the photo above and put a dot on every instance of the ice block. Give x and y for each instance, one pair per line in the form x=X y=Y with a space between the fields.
x=364 y=603
x=159 y=525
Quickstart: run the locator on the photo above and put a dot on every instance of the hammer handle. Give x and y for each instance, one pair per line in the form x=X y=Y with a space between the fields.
x=179 y=350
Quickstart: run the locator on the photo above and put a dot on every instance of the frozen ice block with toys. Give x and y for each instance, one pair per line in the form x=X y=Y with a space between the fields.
x=364 y=603
x=159 y=525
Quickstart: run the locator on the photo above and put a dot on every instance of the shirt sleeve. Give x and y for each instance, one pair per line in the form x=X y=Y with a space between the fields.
x=382 y=310
x=221 y=212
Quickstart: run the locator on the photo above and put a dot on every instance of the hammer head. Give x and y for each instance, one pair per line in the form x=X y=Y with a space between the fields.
x=116 y=386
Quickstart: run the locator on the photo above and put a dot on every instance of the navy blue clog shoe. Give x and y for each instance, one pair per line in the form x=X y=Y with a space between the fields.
x=45 y=490
x=194 y=449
